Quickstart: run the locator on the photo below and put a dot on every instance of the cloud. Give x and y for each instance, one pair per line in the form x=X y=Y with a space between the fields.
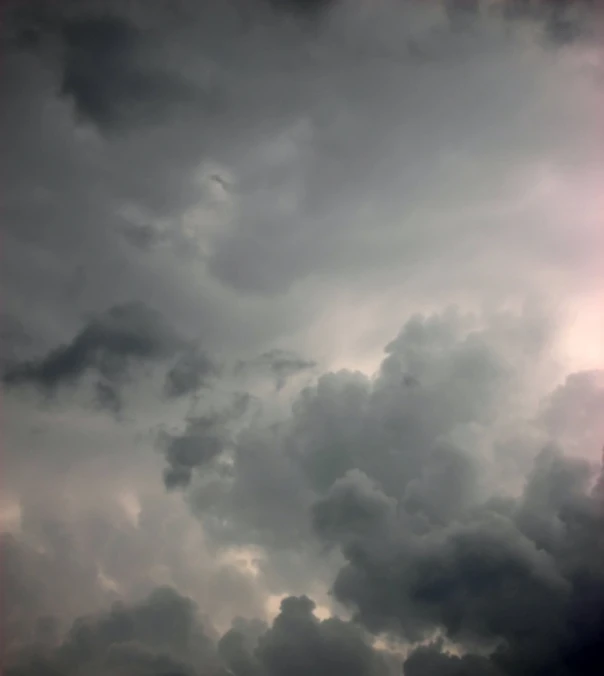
x=109 y=72
x=425 y=445
x=280 y=364
x=312 y=7
x=380 y=472
x=192 y=371
x=298 y=643
x=433 y=661
x=203 y=441
x=82 y=546
x=158 y=636
x=518 y=572
x=163 y=634
x=266 y=174
x=572 y=413
x=284 y=364
x=108 y=345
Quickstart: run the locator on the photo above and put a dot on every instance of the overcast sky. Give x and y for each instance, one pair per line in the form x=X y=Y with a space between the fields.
x=302 y=338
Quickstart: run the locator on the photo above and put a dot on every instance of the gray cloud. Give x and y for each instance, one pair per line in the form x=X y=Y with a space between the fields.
x=284 y=364
x=433 y=661
x=157 y=636
x=110 y=83
x=572 y=413
x=408 y=439
x=192 y=370
x=163 y=635
x=516 y=572
x=77 y=552
x=304 y=6
x=309 y=175
x=108 y=345
x=203 y=441
x=280 y=364
x=429 y=545
x=299 y=644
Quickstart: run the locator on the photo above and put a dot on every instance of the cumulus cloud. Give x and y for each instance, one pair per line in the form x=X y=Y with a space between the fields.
x=430 y=446
x=432 y=660
x=163 y=635
x=158 y=636
x=313 y=176
x=430 y=543
x=514 y=573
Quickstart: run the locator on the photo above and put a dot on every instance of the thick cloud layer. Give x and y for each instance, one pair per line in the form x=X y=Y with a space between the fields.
x=336 y=268
x=428 y=428
x=162 y=636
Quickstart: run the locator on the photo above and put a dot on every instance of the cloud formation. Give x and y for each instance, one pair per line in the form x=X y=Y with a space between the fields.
x=397 y=483
x=163 y=635
x=203 y=441
x=410 y=439
x=109 y=82
x=191 y=371
x=107 y=345
x=280 y=364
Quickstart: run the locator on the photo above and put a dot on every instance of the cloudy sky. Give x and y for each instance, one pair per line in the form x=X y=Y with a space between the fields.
x=302 y=338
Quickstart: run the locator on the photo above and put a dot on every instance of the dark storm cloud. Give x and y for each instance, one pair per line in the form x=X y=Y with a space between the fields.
x=381 y=470
x=199 y=445
x=71 y=202
x=304 y=7
x=402 y=437
x=386 y=482
x=431 y=660
x=162 y=635
x=526 y=573
x=192 y=371
x=142 y=236
x=563 y=21
x=13 y=338
x=158 y=636
x=299 y=644
x=42 y=582
x=108 y=345
x=203 y=440
x=111 y=79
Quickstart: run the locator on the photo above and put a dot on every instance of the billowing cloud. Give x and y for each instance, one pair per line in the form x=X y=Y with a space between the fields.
x=163 y=635
x=516 y=574
x=155 y=637
x=424 y=444
x=247 y=220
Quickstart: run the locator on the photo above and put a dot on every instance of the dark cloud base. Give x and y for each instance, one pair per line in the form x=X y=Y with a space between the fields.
x=514 y=585
x=528 y=574
x=163 y=636
x=108 y=346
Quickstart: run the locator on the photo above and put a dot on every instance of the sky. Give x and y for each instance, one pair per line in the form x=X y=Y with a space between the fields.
x=302 y=338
